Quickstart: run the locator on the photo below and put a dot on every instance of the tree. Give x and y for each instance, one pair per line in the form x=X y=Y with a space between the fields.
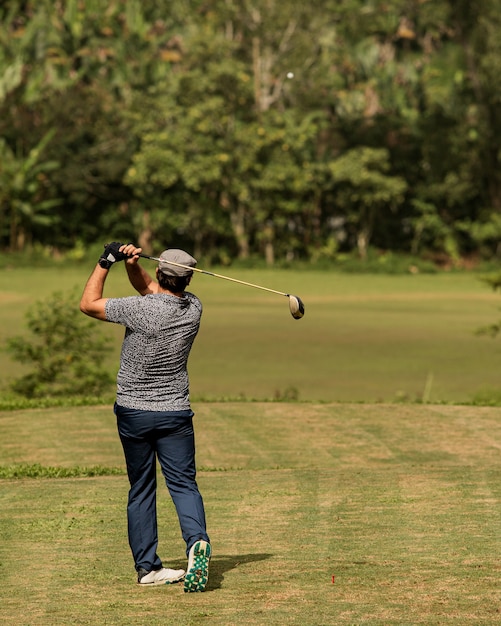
x=26 y=205
x=220 y=130
x=365 y=192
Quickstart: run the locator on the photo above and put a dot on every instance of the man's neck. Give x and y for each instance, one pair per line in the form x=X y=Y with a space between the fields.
x=179 y=294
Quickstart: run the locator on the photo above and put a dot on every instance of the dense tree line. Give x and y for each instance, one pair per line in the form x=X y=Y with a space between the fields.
x=245 y=128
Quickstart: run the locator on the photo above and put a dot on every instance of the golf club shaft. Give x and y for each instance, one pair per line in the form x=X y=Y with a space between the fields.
x=233 y=280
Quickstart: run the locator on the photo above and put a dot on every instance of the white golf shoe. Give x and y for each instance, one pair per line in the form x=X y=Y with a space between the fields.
x=197 y=574
x=164 y=576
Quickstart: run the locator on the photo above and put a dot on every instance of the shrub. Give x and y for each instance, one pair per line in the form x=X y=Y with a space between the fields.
x=494 y=281
x=64 y=348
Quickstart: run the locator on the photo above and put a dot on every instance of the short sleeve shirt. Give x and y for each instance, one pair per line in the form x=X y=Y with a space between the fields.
x=159 y=333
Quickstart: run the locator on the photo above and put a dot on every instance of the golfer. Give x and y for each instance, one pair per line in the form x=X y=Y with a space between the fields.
x=152 y=406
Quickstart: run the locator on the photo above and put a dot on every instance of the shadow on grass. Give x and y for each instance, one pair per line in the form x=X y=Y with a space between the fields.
x=221 y=564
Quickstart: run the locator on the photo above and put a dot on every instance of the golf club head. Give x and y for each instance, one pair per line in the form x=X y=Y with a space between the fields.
x=296 y=307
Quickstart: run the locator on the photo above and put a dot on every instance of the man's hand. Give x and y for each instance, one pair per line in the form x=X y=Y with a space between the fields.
x=111 y=254
x=131 y=253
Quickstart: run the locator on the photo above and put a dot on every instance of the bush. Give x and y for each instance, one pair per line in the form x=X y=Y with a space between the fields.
x=64 y=348
x=494 y=281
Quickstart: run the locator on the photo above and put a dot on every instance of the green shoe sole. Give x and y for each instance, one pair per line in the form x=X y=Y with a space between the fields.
x=198 y=575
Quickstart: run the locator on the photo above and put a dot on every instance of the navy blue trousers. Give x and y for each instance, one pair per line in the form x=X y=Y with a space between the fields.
x=168 y=436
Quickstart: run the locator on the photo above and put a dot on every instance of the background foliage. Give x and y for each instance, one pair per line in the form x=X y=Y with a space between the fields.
x=176 y=122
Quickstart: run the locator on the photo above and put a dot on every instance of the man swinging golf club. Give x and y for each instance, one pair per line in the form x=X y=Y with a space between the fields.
x=152 y=406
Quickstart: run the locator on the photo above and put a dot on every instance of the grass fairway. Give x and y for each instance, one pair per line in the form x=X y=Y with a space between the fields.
x=363 y=338
x=400 y=504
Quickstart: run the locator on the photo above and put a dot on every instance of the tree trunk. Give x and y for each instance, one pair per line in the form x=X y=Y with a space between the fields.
x=240 y=232
x=269 y=248
x=363 y=237
x=146 y=235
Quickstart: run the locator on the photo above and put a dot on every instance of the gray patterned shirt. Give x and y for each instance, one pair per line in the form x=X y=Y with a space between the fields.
x=159 y=332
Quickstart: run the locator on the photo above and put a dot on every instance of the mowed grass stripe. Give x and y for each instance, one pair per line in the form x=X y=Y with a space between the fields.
x=268 y=435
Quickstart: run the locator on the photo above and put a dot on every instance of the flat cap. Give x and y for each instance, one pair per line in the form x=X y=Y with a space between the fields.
x=173 y=255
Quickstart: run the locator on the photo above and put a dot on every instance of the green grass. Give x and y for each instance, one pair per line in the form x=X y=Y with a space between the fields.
x=401 y=504
x=364 y=338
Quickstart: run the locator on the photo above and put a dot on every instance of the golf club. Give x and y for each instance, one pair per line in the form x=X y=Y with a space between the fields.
x=296 y=305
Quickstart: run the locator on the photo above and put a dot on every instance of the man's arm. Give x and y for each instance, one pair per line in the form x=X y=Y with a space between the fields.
x=139 y=277
x=92 y=302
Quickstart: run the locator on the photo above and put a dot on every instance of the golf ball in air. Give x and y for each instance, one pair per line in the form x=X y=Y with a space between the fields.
x=290 y=74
